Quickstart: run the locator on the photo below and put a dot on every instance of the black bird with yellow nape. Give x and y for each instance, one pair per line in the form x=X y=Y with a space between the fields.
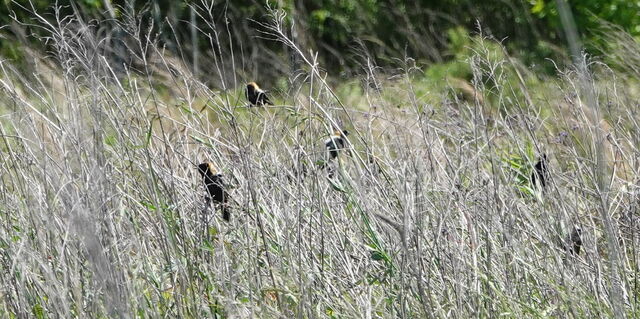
x=336 y=143
x=256 y=95
x=215 y=188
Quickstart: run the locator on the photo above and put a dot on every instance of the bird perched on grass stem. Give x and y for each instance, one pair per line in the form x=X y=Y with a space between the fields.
x=336 y=142
x=215 y=188
x=575 y=241
x=572 y=244
x=256 y=95
x=540 y=173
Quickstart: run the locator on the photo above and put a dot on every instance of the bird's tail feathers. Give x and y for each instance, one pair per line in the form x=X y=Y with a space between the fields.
x=226 y=213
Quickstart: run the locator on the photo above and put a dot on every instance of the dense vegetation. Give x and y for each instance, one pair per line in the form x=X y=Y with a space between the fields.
x=342 y=32
x=108 y=107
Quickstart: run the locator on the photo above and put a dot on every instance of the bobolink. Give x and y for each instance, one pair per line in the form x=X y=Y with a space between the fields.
x=335 y=143
x=256 y=95
x=575 y=241
x=540 y=173
x=215 y=188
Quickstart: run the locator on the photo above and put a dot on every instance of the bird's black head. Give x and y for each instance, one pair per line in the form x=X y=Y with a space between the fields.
x=203 y=168
x=207 y=168
x=252 y=87
x=577 y=229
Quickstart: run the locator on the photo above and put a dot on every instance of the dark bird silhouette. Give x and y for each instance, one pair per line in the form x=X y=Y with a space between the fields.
x=572 y=244
x=215 y=188
x=575 y=241
x=335 y=143
x=540 y=173
x=256 y=95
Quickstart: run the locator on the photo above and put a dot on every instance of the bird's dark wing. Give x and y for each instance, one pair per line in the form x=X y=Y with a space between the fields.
x=226 y=212
x=265 y=99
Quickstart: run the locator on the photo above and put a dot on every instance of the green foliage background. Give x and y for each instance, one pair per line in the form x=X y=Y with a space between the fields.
x=385 y=29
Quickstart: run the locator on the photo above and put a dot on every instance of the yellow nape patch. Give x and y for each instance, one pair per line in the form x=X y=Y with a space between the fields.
x=254 y=84
x=212 y=168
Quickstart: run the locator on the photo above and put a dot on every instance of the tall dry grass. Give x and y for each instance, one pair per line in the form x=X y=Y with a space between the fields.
x=103 y=210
